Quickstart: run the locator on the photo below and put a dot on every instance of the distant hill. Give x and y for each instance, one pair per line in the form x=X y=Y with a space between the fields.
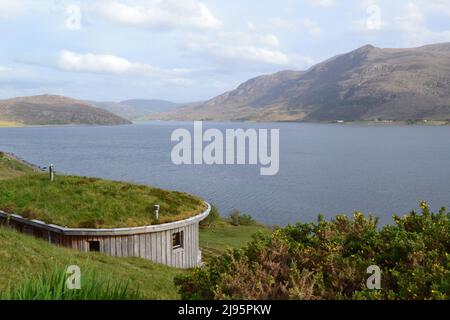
x=137 y=108
x=366 y=84
x=55 y=110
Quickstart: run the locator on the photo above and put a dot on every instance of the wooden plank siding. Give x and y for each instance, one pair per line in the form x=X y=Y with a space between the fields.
x=156 y=246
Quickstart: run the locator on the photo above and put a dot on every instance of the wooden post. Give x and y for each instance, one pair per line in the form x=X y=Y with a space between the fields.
x=156 y=207
x=51 y=172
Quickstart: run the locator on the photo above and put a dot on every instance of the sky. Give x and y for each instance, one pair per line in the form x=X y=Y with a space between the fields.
x=192 y=50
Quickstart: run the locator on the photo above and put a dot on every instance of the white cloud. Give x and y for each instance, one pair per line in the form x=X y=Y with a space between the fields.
x=441 y=6
x=159 y=15
x=413 y=27
x=253 y=37
x=250 y=53
x=323 y=3
x=90 y=62
x=105 y=63
x=312 y=27
x=9 y=8
x=241 y=47
x=307 y=25
x=412 y=20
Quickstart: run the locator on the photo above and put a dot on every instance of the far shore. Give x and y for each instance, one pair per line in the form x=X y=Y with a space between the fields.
x=7 y=124
x=429 y=123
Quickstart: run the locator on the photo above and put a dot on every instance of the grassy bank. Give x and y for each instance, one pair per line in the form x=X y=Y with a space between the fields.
x=12 y=168
x=223 y=235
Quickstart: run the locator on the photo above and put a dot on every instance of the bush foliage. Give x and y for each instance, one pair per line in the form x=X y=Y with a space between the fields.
x=239 y=219
x=329 y=260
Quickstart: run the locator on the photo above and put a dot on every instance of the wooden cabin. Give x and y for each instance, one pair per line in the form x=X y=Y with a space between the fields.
x=175 y=244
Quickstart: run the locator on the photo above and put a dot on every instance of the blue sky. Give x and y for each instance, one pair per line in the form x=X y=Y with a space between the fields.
x=189 y=50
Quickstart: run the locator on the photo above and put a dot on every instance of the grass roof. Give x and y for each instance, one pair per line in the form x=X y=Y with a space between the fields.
x=82 y=202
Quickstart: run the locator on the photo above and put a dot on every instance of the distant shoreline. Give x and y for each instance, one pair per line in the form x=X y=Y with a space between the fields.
x=428 y=123
x=21 y=125
x=431 y=123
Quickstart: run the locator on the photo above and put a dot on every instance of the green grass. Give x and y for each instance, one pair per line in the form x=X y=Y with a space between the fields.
x=93 y=203
x=24 y=259
x=12 y=168
x=54 y=287
x=223 y=236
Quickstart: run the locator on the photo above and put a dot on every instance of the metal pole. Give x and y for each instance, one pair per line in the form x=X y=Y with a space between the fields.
x=51 y=172
x=156 y=207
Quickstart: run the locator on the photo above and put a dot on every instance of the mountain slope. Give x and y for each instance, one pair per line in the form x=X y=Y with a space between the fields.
x=136 y=108
x=52 y=109
x=365 y=84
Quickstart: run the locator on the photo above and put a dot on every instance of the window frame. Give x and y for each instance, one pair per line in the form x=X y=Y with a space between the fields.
x=90 y=247
x=178 y=240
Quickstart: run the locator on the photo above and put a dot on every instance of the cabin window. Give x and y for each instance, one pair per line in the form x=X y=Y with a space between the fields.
x=177 y=240
x=94 y=246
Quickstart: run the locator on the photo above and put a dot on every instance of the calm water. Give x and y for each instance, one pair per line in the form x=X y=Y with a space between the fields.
x=323 y=168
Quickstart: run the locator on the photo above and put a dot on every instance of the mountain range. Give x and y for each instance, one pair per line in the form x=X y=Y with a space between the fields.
x=136 y=109
x=366 y=84
x=369 y=83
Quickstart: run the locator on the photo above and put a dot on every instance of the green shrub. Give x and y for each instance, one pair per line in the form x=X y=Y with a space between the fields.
x=247 y=220
x=239 y=219
x=235 y=218
x=329 y=260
